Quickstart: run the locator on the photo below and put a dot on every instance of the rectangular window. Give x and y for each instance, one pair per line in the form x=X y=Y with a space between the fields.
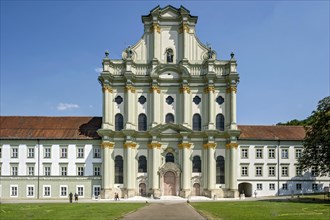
x=14 y=170
x=315 y=186
x=63 y=152
x=63 y=191
x=46 y=190
x=298 y=153
x=97 y=170
x=259 y=153
x=285 y=186
x=30 y=191
x=14 y=191
x=80 y=152
x=30 y=152
x=47 y=170
x=245 y=171
x=14 y=152
x=271 y=186
x=245 y=153
x=259 y=186
x=80 y=191
x=97 y=190
x=80 y=170
x=47 y=152
x=314 y=171
x=285 y=153
x=271 y=153
x=258 y=171
x=298 y=171
x=31 y=170
x=0 y=151
x=97 y=152
x=285 y=171
x=271 y=171
x=64 y=170
x=298 y=186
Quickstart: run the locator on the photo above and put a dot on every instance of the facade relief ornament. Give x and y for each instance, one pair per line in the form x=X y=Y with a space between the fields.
x=184 y=145
x=185 y=89
x=155 y=27
x=130 y=88
x=209 y=89
x=155 y=88
x=130 y=145
x=107 y=144
x=231 y=89
x=154 y=145
x=231 y=145
x=210 y=145
x=107 y=88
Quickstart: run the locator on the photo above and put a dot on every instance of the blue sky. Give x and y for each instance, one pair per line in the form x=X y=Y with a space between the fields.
x=51 y=52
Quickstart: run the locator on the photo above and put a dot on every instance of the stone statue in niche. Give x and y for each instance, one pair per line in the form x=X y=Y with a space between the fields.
x=169 y=55
x=129 y=52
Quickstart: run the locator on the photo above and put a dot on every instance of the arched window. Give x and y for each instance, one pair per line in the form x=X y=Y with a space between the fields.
x=220 y=122
x=169 y=55
x=197 y=122
x=119 y=175
x=142 y=164
x=119 y=122
x=169 y=158
x=169 y=118
x=220 y=170
x=142 y=122
x=196 y=163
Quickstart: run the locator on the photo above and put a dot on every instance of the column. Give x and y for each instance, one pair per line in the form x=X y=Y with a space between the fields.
x=185 y=90
x=232 y=147
x=155 y=105
x=108 y=169
x=185 y=30
x=130 y=171
x=232 y=90
x=211 y=165
x=130 y=106
x=186 y=169
x=210 y=91
x=156 y=30
x=154 y=148
x=107 y=106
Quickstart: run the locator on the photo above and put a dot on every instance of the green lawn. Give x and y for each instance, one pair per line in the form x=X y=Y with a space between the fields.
x=263 y=210
x=71 y=211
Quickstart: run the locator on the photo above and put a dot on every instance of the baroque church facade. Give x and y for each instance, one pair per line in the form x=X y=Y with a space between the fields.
x=168 y=129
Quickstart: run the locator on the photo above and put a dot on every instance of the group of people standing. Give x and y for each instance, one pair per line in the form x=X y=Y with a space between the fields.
x=75 y=197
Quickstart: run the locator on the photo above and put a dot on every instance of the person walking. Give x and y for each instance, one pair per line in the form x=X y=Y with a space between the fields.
x=70 y=197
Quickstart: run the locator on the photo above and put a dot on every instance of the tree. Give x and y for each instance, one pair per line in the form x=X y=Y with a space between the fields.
x=316 y=150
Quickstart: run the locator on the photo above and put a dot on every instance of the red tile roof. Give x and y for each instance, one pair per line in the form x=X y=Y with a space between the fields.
x=84 y=128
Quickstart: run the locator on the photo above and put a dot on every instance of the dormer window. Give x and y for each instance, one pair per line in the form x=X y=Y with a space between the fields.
x=169 y=55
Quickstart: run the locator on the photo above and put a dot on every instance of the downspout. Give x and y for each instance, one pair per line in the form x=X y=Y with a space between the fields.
x=38 y=185
x=278 y=167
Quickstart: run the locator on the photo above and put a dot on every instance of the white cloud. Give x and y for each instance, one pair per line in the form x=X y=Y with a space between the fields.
x=66 y=106
x=98 y=69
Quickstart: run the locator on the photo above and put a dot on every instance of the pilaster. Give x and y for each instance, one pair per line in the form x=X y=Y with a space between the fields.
x=211 y=164
x=232 y=91
x=154 y=149
x=107 y=106
x=108 y=169
x=186 y=169
x=231 y=147
x=130 y=105
x=211 y=100
x=155 y=104
x=186 y=104
x=130 y=171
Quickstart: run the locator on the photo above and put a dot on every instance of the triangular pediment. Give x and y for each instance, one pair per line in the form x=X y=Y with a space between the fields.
x=170 y=129
x=169 y=14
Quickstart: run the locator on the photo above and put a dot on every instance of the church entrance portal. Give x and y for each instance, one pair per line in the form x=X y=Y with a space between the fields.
x=245 y=188
x=169 y=184
x=196 y=191
x=142 y=189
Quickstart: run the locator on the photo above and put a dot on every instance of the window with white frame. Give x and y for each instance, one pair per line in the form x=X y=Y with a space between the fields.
x=258 y=170
x=97 y=152
x=314 y=171
x=96 y=190
x=285 y=153
x=63 y=191
x=271 y=186
x=80 y=170
x=46 y=191
x=0 y=151
x=29 y=191
x=30 y=153
x=14 y=169
x=245 y=171
x=47 y=170
x=271 y=153
x=298 y=186
x=30 y=169
x=285 y=186
x=80 y=152
x=315 y=186
x=14 y=152
x=13 y=190
x=63 y=152
x=244 y=153
x=298 y=153
x=271 y=171
x=64 y=169
x=97 y=169
x=47 y=152
x=285 y=171
x=80 y=191
x=259 y=153
x=259 y=186
x=298 y=171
